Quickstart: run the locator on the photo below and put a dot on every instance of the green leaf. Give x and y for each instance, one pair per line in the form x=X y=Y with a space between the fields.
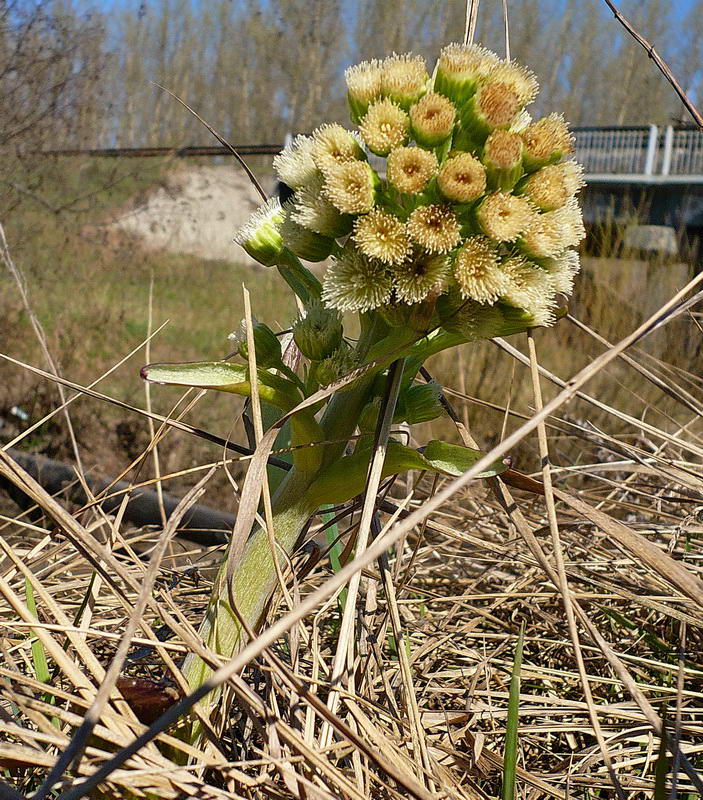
x=335 y=553
x=41 y=667
x=224 y=376
x=346 y=478
x=39 y=660
x=221 y=375
x=662 y=768
x=512 y=724
x=453 y=459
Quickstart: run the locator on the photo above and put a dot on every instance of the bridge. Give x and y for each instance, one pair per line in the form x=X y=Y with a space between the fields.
x=649 y=155
x=653 y=173
x=650 y=173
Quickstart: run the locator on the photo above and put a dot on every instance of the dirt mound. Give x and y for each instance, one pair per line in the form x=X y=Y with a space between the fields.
x=197 y=212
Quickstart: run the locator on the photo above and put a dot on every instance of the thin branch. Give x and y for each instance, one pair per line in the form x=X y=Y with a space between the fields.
x=471 y=15
x=221 y=140
x=659 y=61
x=506 y=29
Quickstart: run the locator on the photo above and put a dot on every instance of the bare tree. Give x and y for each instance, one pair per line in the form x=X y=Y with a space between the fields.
x=51 y=62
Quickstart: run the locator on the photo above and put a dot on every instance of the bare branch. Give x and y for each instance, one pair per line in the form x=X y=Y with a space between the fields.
x=659 y=61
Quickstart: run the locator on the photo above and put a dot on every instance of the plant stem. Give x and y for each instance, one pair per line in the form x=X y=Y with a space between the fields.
x=255 y=575
x=252 y=585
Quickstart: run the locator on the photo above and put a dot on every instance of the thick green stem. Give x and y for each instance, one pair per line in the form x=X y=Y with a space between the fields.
x=255 y=575
x=252 y=585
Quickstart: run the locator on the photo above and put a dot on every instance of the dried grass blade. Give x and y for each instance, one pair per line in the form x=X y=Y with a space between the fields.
x=75 y=749
x=346 y=632
x=670 y=570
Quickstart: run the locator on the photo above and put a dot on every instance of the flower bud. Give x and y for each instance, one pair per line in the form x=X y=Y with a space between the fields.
x=261 y=235
x=351 y=187
x=493 y=106
x=468 y=318
x=520 y=79
x=368 y=419
x=553 y=186
x=462 y=178
x=295 y=165
x=266 y=344
x=477 y=270
x=363 y=87
x=306 y=244
x=459 y=70
x=502 y=158
x=340 y=363
x=384 y=127
x=319 y=333
x=434 y=227
x=383 y=236
x=333 y=144
x=546 y=141
x=354 y=282
x=311 y=208
x=519 y=320
x=410 y=169
x=395 y=313
x=432 y=120
x=474 y=320
x=404 y=79
x=421 y=278
x=530 y=289
x=562 y=270
x=504 y=217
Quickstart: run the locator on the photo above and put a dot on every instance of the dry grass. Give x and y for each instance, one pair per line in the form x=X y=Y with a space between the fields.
x=611 y=561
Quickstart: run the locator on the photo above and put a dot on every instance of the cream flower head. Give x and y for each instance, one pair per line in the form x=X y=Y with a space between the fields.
x=333 y=145
x=356 y=283
x=424 y=275
x=350 y=187
x=410 y=169
x=504 y=216
x=434 y=227
x=477 y=270
x=382 y=236
x=462 y=178
x=385 y=127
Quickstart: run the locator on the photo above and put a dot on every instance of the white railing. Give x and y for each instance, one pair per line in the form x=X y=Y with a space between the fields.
x=644 y=151
x=686 y=153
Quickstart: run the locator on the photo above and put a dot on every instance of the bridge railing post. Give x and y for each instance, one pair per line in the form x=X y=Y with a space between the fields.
x=668 y=148
x=651 y=156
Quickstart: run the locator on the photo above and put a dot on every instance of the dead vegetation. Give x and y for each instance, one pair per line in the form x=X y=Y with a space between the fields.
x=608 y=567
x=592 y=550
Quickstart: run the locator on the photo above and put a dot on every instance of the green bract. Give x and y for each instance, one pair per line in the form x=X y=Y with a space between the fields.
x=347 y=477
x=319 y=333
x=266 y=344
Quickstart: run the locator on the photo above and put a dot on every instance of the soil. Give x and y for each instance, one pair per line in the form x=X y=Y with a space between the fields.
x=197 y=212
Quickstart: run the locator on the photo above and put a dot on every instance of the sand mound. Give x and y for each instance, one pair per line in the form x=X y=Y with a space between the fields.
x=197 y=212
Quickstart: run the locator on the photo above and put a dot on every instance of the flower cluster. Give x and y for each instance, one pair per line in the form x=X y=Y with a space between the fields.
x=473 y=211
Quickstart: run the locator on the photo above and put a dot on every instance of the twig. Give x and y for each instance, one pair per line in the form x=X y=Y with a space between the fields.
x=659 y=61
x=471 y=15
x=221 y=140
x=19 y=279
x=563 y=584
x=147 y=398
x=346 y=632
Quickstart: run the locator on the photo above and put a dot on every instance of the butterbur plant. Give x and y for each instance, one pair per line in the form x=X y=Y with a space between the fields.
x=464 y=229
